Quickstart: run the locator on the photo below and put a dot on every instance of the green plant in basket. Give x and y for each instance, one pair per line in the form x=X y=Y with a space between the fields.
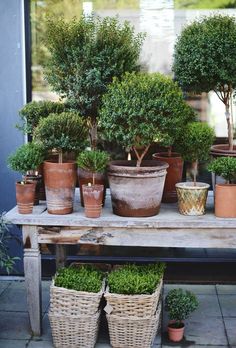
x=225 y=167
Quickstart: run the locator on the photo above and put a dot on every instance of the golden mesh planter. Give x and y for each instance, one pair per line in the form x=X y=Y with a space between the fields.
x=192 y=199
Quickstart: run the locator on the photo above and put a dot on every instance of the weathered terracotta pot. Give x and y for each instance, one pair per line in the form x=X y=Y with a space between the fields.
x=37 y=179
x=225 y=200
x=173 y=176
x=93 y=196
x=222 y=150
x=25 y=197
x=136 y=191
x=87 y=177
x=60 y=180
x=175 y=334
x=192 y=199
x=42 y=192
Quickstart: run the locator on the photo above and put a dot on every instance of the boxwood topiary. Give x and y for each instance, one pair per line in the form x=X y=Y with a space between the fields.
x=225 y=167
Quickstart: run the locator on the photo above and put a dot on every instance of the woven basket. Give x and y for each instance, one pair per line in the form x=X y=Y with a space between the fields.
x=72 y=332
x=133 y=305
x=133 y=332
x=73 y=303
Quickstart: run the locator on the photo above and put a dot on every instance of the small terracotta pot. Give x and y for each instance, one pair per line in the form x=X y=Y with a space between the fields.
x=175 y=334
x=93 y=200
x=37 y=179
x=225 y=200
x=25 y=197
x=173 y=176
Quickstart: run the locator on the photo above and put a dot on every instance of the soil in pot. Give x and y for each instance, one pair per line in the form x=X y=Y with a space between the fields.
x=60 y=180
x=25 y=197
x=192 y=199
x=136 y=191
x=37 y=179
x=173 y=176
x=93 y=196
x=175 y=334
x=225 y=200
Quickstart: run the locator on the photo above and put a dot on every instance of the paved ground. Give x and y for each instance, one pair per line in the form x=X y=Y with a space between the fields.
x=212 y=325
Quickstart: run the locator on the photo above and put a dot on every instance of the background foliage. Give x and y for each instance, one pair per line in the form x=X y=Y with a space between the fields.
x=225 y=167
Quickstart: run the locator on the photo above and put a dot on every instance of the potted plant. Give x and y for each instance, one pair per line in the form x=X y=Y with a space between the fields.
x=94 y=50
x=136 y=111
x=179 y=304
x=26 y=160
x=225 y=194
x=63 y=132
x=204 y=61
x=91 y=169
x=196 y=142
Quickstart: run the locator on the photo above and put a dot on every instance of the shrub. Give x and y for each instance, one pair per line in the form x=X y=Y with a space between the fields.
x=132 y=279
x=84 y=278
x=142 y=108
x=180 y=304
x=225 y=167
x=94 y=161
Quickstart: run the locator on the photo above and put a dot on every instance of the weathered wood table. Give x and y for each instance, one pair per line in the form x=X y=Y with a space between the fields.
x=168 y=229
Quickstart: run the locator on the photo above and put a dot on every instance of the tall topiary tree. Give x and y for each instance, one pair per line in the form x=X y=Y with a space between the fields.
x=204 y=60
x=85 y=55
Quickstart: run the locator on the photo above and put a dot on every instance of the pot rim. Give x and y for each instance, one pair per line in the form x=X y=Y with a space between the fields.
x=225 y=185
x=61 y=164
x=222 y=149
x=176 y=328
x=165 y=155
x=130 y=165
x=189 y=185
x=95 y=186
x=25 y=183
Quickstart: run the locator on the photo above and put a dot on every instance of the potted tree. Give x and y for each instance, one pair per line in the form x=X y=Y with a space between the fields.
x=91 y=169
x=94 y=50
x=136 y=111
x=179 y=304
x=204 y=61
x=197 y=139
x=26 y=160
x=225 y=194
x=63 y=132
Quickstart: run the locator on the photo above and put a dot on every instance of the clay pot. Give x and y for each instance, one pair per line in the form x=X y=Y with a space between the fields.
x=60 y=180
x=192 y=199
x=225 y=200
x=93 y=196
x=136 y=191
x=37 y=179
x=175 y=334
x=25 y=197
x=222 y=150
x=86 y=177
x=173 y=176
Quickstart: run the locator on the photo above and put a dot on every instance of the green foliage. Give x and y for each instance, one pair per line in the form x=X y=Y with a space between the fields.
x=225 y=167
x=94 y=161
x=84 y=278
x=133 y=279
x=32 y=112
x=65 y=132
x=85 y=54
x=204 y=4
x=180 y=304
x=26 y=158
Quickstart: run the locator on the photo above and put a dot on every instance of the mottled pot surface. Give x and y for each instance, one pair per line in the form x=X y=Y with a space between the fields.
x=225 y=200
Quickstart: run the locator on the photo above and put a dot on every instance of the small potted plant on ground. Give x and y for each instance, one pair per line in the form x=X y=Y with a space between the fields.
x=179 y=304
x=26 y=160
x=196 y=143
x=225 y=194
x=63 y=132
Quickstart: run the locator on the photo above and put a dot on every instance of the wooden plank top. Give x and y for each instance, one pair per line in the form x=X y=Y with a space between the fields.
x=168 y=217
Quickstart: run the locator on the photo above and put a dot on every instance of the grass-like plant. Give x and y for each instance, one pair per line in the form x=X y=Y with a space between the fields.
x=84 y=278
x=134 y=279
x=180 y=304
x=225 y=167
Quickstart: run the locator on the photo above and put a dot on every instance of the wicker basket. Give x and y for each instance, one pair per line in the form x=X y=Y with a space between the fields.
x=133 y=332
x=73 y=303
x=133 y=305
x=71 y=332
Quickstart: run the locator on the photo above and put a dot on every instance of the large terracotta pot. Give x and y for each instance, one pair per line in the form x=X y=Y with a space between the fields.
x=136 y=191
x=192 y=199
x=60 y=180
x=25 y=197
x=225 y=200
x=93 y=200
x=222 y=150
x=175 y=334
x=173 y=176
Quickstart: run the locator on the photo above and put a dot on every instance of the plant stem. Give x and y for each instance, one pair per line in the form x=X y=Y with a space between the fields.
x=60 y=156
x=195 y=171
x=93 y=134
x=169 y=151
x=93 y=178
x=140 y=157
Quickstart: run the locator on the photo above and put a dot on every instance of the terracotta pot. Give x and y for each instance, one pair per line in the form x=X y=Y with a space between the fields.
x=136 y=191
x=86 y=177
x=192 y=199
x=175 y=334
x=25 y=197
x=37 y=179
x=42 y=192
x=222 y=150
x=60 y=180
x=225 y=200
x=173 y=176
x=93 y=196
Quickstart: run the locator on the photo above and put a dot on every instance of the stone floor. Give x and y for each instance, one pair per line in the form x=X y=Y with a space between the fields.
x=212 y=325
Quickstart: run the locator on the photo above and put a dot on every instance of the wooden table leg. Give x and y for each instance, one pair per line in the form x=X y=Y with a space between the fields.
x=32 y=269
x=60 y=256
